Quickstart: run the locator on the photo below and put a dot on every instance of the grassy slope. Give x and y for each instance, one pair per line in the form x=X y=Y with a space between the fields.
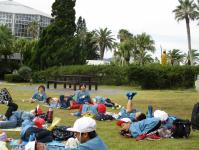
x=175 y=102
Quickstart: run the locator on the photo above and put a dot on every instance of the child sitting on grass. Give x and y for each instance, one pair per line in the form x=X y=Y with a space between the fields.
x=40 y=95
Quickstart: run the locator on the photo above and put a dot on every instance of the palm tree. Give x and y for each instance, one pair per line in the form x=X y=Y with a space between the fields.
x=175 y=56
x=124 y=35
x=148 y=58
x=144 y=44
x=187 y=10
x=124 y=49
x=33 y=29
x=20 y=46
x=195 y=56
x=104 y=40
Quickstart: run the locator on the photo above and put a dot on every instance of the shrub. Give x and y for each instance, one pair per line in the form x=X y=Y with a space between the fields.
x=107 y=74
x=148 y=77
x=13 y=78
x=25 y=73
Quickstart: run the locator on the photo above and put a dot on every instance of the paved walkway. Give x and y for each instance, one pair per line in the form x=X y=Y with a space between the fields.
x=61 y=90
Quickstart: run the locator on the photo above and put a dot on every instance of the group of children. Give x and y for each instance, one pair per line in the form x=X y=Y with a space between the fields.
x=133 y=123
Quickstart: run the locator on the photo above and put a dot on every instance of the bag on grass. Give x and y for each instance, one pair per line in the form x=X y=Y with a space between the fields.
x=5 y=96
x=101 y=117
x=195 y=117
x=181 y=128
x=60 y=133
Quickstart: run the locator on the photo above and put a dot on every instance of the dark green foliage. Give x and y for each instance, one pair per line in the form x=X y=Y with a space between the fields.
x=148 y=77
x=81 y=25
x=163 y=77
x=25 y=73
x=107 y=74
x=64 y=13
x=6 y=40
x=13 y=78
x=56 y=42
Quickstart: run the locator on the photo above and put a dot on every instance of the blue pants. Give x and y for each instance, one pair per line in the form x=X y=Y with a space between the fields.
x=10 y=123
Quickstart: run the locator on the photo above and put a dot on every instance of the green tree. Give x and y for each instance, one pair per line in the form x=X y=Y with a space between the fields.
x=6 y=42
x=81 y=25
x=104 y=40
x=144 y=44
x=33 y=29
x=187 y=10
x=26 y=48
x=64 y=13
x=54 y=45
x=195 y=56
x=175 y=56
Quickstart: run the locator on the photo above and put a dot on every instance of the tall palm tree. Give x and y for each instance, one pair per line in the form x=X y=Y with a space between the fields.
x=187 y=10
x=144 y=44
x=195 y=56
x=175 y=56
x=127 y=46
x=124 y=35
x=33 y=29
x=104 y=40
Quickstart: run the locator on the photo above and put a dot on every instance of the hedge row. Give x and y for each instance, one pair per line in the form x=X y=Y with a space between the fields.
x=148 y=77
x=113 y=75
x=13 y=78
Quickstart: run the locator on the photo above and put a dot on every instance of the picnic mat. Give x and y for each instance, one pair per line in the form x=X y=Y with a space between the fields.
x=13 y=129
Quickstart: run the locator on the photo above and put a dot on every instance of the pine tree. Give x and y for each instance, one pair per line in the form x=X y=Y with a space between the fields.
x=54 y=44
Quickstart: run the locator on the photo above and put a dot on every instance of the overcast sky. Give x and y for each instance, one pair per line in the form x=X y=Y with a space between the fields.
x=154 y=17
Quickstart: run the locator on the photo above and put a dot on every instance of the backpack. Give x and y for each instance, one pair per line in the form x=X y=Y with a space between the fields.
x=5 y=96
x=101 y=117
x=181 y=128
x=60 y=133
x=195 y=117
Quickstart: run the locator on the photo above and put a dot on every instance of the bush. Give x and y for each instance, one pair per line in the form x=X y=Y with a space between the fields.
x=148 y=77
x=13 y=78
x=163 y=77
x=110 y=75
x=25 y=73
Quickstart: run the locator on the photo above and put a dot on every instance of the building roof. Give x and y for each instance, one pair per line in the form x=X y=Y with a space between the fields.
x=97 y=62
x=11 y=6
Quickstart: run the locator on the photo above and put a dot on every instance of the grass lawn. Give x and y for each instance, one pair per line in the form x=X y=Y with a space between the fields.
x=175 y=102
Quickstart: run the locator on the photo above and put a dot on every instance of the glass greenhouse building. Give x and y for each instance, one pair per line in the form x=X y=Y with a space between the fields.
x=17 y=17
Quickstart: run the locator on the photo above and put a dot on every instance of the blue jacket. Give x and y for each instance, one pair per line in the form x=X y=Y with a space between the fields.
x=82 y=97
x=124 y=114
x=93 y=144
x=27 y=122
x=91 y=108
x=169 y=122
x=40 y=97
x=142 y=127
x=25 y=125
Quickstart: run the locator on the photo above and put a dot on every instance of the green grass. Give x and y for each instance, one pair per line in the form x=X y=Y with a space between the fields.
x=175 y=102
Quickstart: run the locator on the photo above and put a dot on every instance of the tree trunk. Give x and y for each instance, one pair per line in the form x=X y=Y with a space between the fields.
x=189 y=40
x=102 y=50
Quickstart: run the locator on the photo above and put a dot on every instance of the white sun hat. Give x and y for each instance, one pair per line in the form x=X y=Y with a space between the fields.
x=83 y=125
x=162 y=115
